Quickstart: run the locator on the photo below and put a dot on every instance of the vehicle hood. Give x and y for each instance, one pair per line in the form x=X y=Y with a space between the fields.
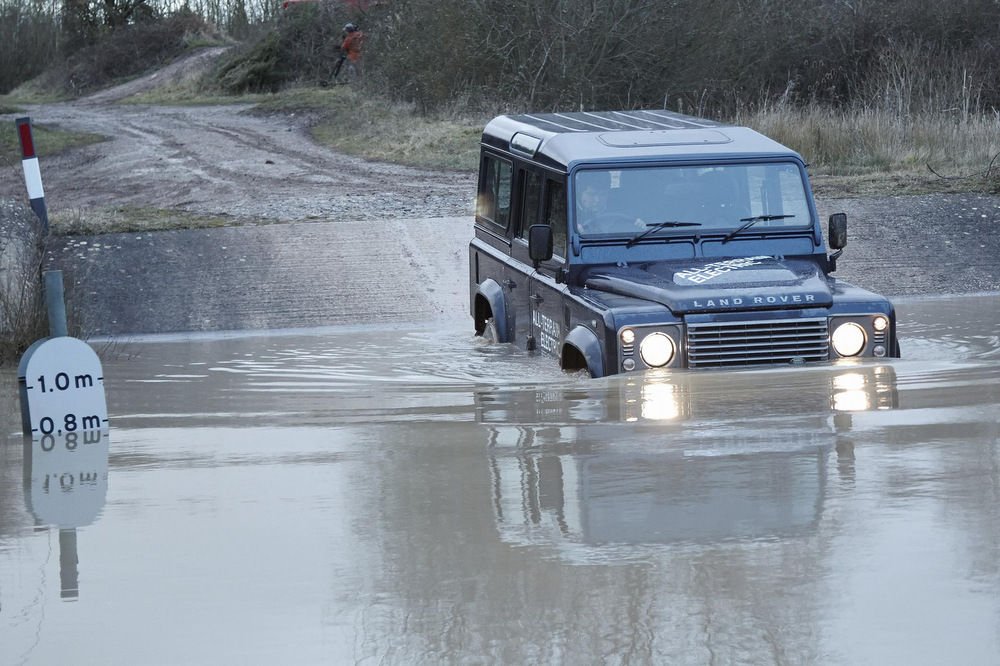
x=718 y=285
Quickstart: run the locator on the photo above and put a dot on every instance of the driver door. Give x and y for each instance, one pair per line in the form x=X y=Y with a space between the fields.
x=547 y=294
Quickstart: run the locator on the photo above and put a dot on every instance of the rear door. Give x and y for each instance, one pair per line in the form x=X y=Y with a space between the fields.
x=494 y=226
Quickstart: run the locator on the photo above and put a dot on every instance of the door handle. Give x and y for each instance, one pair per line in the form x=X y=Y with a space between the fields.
x=536 y=298
x=510 y=284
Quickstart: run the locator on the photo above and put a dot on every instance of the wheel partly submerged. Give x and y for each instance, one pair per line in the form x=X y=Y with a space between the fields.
x=490 y=334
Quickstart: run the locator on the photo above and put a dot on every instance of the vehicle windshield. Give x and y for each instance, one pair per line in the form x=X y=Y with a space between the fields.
x=718 y=198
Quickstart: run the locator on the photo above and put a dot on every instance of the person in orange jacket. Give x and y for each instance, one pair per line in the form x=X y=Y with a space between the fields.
x=350 y=49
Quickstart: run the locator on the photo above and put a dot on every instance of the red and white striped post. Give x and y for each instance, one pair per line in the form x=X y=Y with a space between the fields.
x=32 y=174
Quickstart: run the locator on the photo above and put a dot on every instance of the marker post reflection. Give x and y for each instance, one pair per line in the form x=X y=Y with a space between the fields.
x=66 y=485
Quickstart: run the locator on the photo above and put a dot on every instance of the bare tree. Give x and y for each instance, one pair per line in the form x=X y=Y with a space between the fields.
x=121 y=12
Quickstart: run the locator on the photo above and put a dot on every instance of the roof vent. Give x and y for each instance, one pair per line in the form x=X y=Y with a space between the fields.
x=671 y=137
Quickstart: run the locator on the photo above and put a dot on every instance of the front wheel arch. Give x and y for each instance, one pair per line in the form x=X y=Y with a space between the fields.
x=490 y=304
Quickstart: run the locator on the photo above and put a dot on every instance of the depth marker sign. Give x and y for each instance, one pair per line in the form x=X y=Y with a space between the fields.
x=62 y=388
x=32 y=174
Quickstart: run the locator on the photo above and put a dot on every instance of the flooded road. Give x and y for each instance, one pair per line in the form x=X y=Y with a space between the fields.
x=373 y=495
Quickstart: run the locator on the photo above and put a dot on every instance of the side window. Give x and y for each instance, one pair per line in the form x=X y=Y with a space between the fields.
x=555 y=214
x=494 y=191
x=532 y=195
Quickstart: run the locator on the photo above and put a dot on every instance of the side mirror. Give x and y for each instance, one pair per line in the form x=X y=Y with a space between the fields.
x=838 y=231
x=539 y=243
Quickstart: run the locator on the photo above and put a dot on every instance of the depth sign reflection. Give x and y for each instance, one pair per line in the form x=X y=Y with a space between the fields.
x=66 y=484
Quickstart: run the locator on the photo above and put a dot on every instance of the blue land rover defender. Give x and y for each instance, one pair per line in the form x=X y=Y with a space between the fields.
x=622 y=241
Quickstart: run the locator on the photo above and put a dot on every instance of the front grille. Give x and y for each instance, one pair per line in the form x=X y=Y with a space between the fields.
x=764 y=342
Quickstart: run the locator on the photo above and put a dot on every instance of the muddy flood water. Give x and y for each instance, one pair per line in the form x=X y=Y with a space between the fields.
x=411 y=496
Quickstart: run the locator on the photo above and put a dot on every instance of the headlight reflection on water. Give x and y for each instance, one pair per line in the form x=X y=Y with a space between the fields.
x=660 y=401
x=850 y=394
x=653 y=398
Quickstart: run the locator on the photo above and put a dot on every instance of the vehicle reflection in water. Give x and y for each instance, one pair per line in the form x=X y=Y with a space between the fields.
x=66 y=483
x=584 y=491
x=663 y=396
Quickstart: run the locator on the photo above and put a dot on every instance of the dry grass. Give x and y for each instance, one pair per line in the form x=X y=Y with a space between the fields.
x=873 y=151
x=22 y=316
x=392 y=132
x=48 y=141
x=851 y=153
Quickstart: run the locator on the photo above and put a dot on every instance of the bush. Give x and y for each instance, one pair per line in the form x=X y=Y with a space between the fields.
x=22 y=316
x=303 y=45
x=27 y=35
x=130 y=51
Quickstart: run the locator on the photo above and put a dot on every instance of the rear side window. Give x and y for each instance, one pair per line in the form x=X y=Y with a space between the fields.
x=493 y=203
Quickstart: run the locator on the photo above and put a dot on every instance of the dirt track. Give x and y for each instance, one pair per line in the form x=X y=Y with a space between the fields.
x=370 y=242
x=222 y=160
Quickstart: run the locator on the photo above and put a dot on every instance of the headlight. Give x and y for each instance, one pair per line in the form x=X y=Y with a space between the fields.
x=656 y=350
x=880 y=323
x=848 y=339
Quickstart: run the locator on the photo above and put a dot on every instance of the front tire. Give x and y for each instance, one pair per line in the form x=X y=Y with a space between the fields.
x=490 y=334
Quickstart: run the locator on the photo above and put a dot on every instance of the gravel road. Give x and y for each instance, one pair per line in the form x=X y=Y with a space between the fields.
x=222 y=160
x=358 y=242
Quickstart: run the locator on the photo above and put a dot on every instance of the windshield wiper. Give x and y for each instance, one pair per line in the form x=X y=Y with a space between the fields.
x=656 y=226
x=749 y=222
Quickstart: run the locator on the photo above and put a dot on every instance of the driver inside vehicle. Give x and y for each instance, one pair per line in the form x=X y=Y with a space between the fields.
x=593 y=213
x=591 y=202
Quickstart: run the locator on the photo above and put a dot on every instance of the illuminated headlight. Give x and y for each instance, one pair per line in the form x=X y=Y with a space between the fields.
x=848 y=339
x=656 y=350
x=880 y=323
x=628 y=336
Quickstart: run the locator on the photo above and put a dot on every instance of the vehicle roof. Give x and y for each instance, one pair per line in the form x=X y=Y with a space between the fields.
x=567 y=139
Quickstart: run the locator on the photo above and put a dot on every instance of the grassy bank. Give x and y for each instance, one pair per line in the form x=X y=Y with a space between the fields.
x=357 y=124
x=48 y=141
x=123 y=219
x=850 y=154
x=879 y=153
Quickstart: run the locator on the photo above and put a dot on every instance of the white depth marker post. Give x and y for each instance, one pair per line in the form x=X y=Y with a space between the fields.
x=32 y=174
